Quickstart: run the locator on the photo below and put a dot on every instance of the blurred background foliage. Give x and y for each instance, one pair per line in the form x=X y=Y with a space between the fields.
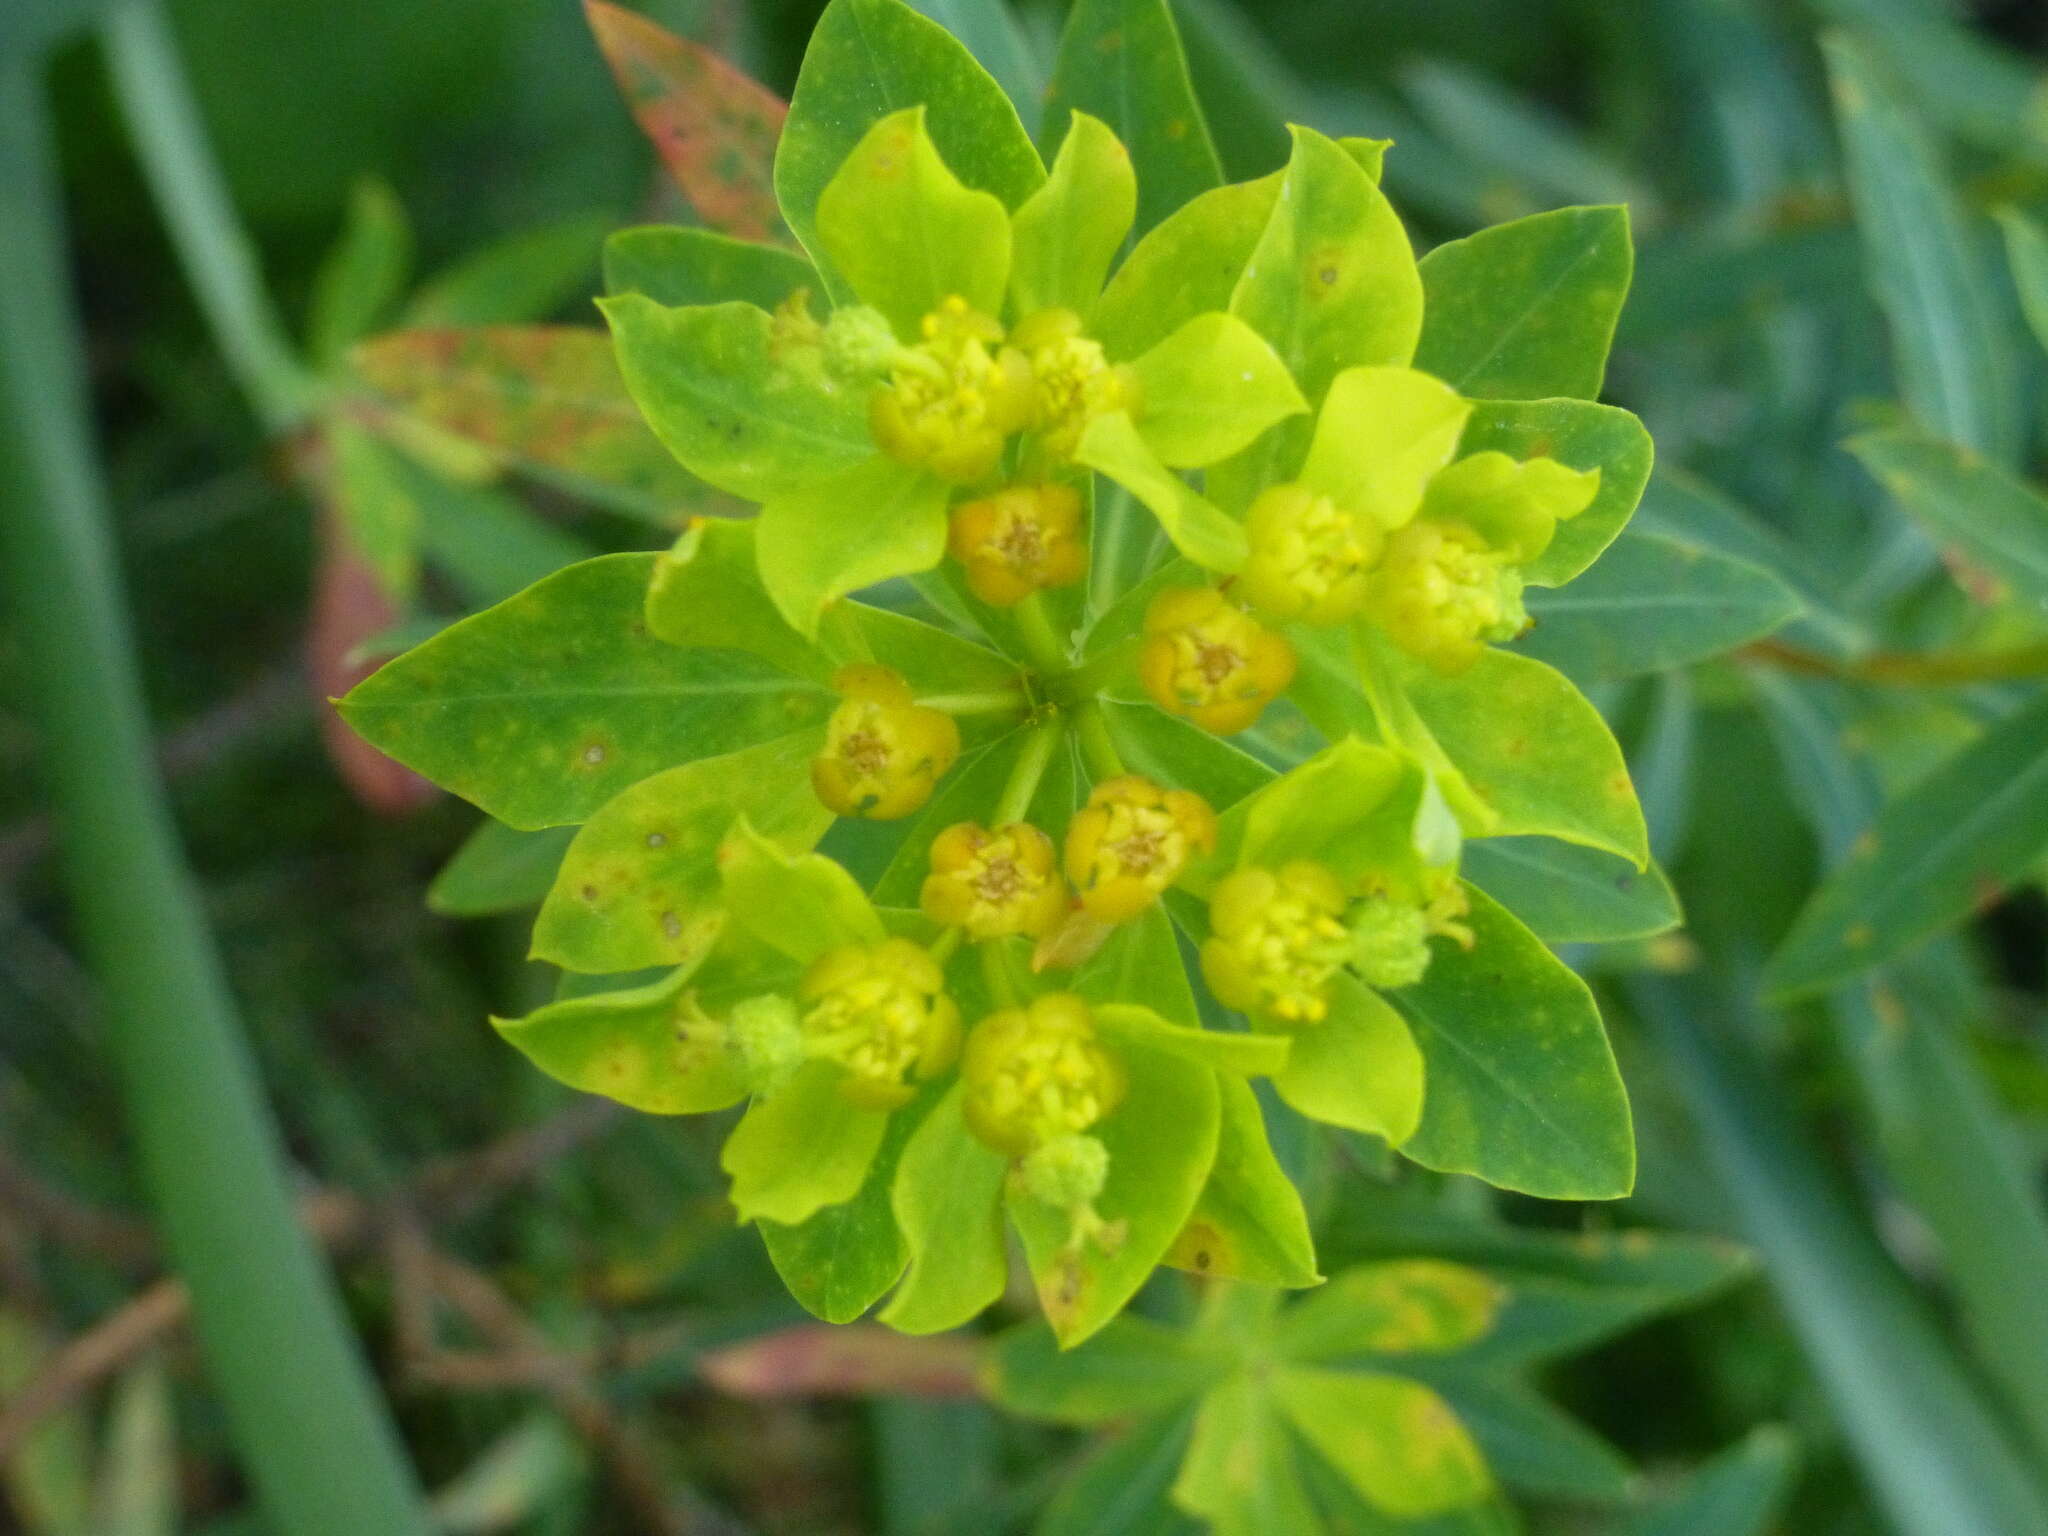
x=552 y=1292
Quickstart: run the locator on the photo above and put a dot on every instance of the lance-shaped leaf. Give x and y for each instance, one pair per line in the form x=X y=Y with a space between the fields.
x=636 y=1046
x=543 y=708
x=1186 y=266
x=363 y=276
x=714 y=127
x=1523 y=1089
x=1241 y=1473
x=676 y=266
x=751 y=416
x=1995 y=519
x=1161 y=1142
x=948 y=1204
x=1209 y=389
x=1741 y=1492
x=1533 y=1447
x=1951 y=843
x=1527 y=310
x=801 y=1149
x=1249 y=1223
x=1406 y=1307
x=1122 y=61
x=866 y=60
x=1068 y=232
x=1360 y=1068
x=1380 y=436
x=1395 y=1441
x=849 y=530
x=800 y=903
x=1532 y=748
x=1198 y=528
x=640 y=885
x=498 y=869
x=842 y=1259
x=547 y=399
x=1142 y=959
x=1132 y=1367
x=1652 y=603
x=1582 y=436
x=1569 y=894
x=2026 y=250
x=904 y=232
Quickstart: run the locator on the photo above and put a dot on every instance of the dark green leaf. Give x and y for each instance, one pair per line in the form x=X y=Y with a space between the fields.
x=675 y=265
x=1994 y=518
x=1569 y=894
x=498 y=869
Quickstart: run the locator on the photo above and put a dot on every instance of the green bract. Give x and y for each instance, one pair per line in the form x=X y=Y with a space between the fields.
x=906 y=813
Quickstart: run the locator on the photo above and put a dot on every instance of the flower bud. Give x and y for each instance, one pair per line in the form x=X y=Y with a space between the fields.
x=951 y=402
x=880 y=1012
x=1067 y=1172
x=1021 y=539
x=1211 y=662
x=1277 y=938
x=1441 y=593
x=883 y=753
x=1130 y=842
x=994 y=884
x=859 y=343
x=1309 y=558
x=1037 y=1074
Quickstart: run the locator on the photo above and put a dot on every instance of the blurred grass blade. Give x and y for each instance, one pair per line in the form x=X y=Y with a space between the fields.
x=47 y=1482
x=1995 y=519
x=137 y=1488
x=1652 y=603
x=989 y=29
x=1741 y=1492
x=1952 y=352
x=363 y=275
x=515 y=1480
x=322 y=1457
x=2026 y=249
x=1932 y=1453
x=1954 y=841
x=517 y=280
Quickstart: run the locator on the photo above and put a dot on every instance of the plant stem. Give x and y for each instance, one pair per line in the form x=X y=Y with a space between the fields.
x=322 y=1457
x=1002 y=702
x=1028 y=770
x=1042 y=644
x=218 y=258
x=1091 y=729
x=1929 y=669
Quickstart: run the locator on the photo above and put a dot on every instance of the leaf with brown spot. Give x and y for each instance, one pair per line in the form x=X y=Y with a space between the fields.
x=714 y=126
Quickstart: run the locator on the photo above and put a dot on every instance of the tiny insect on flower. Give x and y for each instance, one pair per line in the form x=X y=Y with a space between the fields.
x=880 y=1011
x=1208 y=661
x=1036 y=1074
x=1018 y=541
x=1131 y=841
x=1309 y=557
x=883 y=753
x=1277 y=940
x=994 y=884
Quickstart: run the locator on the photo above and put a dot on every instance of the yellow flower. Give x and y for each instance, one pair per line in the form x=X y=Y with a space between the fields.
x=1277 y=938
x=1072 y=381
x=1209 y=661
x=1441 y=593
x=1021 y=539
x=880 y=1012
x=1309 y=557
x=1130 y=842
x=953 y=399
x=1035 y=1075
x=994 y=883
x=883 y=753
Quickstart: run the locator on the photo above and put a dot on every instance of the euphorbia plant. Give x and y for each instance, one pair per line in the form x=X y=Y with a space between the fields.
x=1067 y=770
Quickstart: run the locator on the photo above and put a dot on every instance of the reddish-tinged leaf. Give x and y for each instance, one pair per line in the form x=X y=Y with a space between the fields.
x=714 y=126
x=547 y=397
x=818 y=1360
x=349 y=607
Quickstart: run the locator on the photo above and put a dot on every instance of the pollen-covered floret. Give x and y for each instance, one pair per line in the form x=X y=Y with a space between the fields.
x=1130 y=842
x=1277 y=938
x=1037 y=1074
x=994 y=884
x=1019 y=540
x=1208 y=661
x=1072 y=381
x=1309 y=557
x=883 y=752
x=880 y=1012
x=954 y=398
